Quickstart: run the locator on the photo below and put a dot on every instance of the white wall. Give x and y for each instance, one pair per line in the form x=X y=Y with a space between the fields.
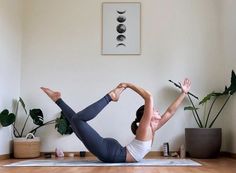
x=228 y=33
x=10 y=54
x=62 y=45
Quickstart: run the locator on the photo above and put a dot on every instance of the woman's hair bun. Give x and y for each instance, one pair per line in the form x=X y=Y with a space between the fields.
x=139 y=115
x=134 y=127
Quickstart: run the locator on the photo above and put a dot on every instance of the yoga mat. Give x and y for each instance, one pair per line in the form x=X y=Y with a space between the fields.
x=90 y=163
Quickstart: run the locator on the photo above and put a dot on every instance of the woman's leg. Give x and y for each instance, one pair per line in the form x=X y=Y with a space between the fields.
x=67 y=111
x=90 y=138
x=99 y=146
x=104 y=149
x=89 y=112
x=56 y=97
x=93 y=110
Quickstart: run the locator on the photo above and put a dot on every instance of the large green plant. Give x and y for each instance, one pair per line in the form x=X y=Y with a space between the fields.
x=37 y=117
x=211 y=98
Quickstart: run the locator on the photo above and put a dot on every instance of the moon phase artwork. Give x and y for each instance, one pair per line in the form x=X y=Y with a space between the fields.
x=121 y=28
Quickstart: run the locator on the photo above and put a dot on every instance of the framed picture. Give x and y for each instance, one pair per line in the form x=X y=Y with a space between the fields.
x=121 y=28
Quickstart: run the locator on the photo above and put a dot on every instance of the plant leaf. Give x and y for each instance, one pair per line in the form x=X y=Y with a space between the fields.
x=208 y=97
x=37 y=116
x=63 y=126
x=4 y=112
x=7 y=118
x=22 y=104
x=190 y=108
x=226 y=91
x=232 y=87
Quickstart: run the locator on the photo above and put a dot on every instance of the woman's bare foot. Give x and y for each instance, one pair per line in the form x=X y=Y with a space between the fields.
x=115 y=93
x=54 y=95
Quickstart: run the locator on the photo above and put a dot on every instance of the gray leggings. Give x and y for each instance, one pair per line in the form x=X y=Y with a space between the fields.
x=105 y=149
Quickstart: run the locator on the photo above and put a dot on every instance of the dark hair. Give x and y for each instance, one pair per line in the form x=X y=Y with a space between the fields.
x=139 y=115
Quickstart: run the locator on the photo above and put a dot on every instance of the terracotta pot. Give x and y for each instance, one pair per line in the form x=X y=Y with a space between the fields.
x=203 y=142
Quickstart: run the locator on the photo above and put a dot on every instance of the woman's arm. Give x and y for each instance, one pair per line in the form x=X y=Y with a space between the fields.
x=142 y=92
x=185 y=87
x=148 y=103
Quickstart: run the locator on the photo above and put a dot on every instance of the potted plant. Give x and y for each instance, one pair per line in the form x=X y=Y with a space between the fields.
x=25 y=144
x=205 y=141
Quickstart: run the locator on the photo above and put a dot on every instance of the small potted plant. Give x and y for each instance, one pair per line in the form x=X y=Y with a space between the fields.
x=25 y=144
x=205 y=141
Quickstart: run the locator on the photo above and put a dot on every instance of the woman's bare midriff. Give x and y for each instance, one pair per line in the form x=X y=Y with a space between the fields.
x=129 y=157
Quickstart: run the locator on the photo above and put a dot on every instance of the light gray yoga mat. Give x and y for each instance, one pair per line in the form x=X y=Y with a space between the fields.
x=89 y=163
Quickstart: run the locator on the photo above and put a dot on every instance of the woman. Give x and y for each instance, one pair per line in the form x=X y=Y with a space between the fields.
x=108 y=149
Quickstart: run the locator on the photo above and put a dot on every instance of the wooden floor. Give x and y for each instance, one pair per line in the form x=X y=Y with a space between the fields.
x=219 y=165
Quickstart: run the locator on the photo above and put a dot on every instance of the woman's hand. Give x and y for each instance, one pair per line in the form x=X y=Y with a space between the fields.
x=185 y=86
x=124 y=85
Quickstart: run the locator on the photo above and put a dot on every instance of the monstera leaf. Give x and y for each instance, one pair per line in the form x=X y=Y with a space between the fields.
x=7 y=118
x=63 y=126
x=37 y=116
